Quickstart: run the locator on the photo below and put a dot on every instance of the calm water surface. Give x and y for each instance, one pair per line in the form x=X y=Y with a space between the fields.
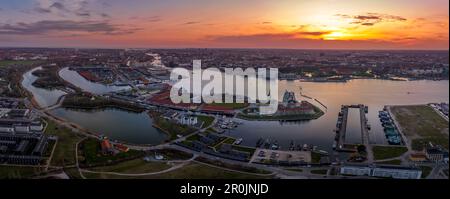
x=117 y=124
x=114 y=123
x=76 y=79
x=132 y=127
x=43 y=97
x=373 y=93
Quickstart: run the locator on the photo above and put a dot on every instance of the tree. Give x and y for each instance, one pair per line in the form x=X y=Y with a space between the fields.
x=361 y=149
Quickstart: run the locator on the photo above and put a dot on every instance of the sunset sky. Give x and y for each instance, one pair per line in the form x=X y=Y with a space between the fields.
x=310 y=24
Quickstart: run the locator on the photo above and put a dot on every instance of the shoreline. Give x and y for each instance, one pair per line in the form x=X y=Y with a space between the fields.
x=63 y=122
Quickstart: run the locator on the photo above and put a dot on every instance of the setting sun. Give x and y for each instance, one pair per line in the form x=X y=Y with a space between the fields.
x=252 y=24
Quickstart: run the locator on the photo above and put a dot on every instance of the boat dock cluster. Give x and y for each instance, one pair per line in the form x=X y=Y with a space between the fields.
x=273 y=145
x=267 y=144
x=223 y=124
x=390 y=129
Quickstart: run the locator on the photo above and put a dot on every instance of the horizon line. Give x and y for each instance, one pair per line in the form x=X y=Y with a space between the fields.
x=224 y=48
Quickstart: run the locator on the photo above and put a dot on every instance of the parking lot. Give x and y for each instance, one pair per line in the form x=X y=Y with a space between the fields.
x=276 y=156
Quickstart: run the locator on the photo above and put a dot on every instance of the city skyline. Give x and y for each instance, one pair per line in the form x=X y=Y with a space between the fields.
x=225 y=24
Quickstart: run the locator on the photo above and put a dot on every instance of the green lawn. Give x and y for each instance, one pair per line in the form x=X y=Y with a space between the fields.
x=14 y=172
x=196 y=171
x=190 y=171
x=385 y=152
x=315 y=157
x=295 y=169
x=425 y=171
x=72 y=173
x=422 y=124
x=210 y=130
x=134 y=166
x=171 y=128
x=65 y=148
x=193 y=137
x=250 y=150
x=229 y=140
x=12 y=62
x=207 y=120
x=392 y=162
x=319 y=171
x=235 y=167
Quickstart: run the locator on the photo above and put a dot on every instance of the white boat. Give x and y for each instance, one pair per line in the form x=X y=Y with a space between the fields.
x=238 y=141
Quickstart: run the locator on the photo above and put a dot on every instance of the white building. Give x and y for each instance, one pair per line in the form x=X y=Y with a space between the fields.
x=397 y=173
x=383 y=171
x=188 y=120
x=356 y=170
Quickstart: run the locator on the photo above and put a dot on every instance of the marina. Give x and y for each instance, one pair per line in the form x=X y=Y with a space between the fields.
x=313 y=132
x=390 y=129
x=353 y=132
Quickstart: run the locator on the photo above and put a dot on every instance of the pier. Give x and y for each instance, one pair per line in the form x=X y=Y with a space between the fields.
x=320 y=103
x=341 y=128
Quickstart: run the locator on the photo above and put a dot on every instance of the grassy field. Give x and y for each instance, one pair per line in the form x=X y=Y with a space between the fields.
x=92 y=155
x=190 y=171
x=65 y=148
x=425 y=171
x=228 y=140
x=171 y=128
x=422 y=125
x=13 y=172
x=134 y=166
x=385 y=152
x=72 y=173
x=391 y=162
x=295 y=169
x=232 y=166
x=12 y=62
x=172 y=154
x=315 y=157
x=319 y=171
x=193 y=137
x=249 y=150
x=207 y=120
